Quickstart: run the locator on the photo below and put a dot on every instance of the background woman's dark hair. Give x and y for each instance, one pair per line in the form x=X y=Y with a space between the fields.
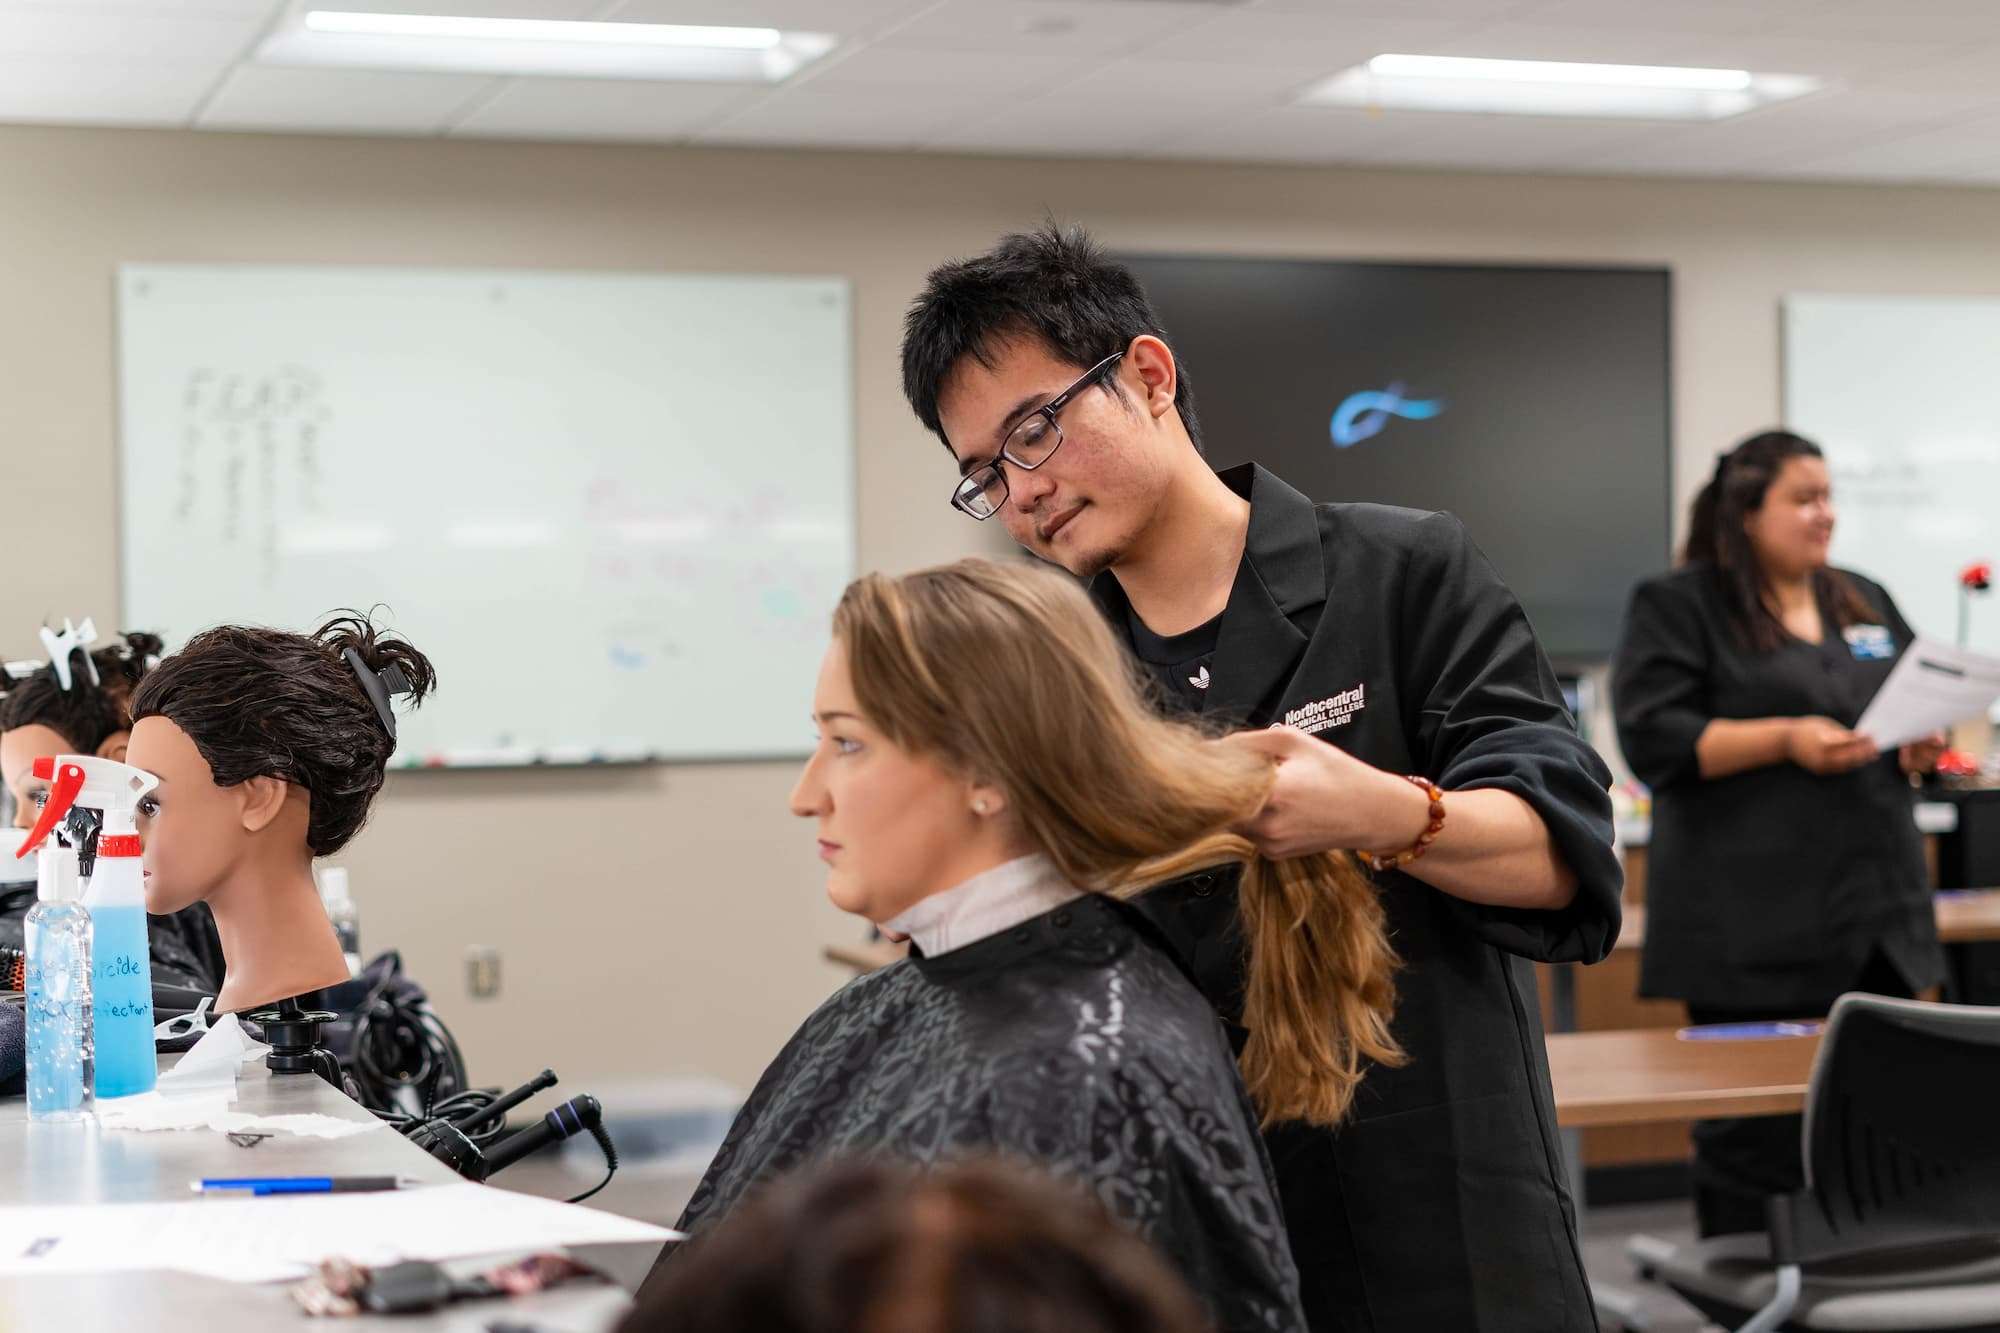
x=84 y=714
x=868 y=1247
x=269 y=703
x=1053 y=283
x=1716 y=538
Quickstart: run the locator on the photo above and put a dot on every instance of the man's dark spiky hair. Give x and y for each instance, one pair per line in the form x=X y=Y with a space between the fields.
x=1053 y=283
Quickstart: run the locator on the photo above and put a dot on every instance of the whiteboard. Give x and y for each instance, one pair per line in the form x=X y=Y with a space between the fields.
x=615 y=510
x=1903 y=393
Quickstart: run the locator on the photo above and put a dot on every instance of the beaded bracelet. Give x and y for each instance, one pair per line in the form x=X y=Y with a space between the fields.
x=1424 y=839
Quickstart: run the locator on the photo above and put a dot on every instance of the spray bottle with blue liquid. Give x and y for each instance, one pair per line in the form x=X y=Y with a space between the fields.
x=57 y=936
x=122 y=968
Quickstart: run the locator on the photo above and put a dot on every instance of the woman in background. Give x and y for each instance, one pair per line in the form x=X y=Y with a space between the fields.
x=1785 y=866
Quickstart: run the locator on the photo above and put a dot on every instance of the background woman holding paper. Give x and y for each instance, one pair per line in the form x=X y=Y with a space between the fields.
x=1785 y=866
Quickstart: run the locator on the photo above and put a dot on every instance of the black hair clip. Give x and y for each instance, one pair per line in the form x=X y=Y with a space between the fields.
x=379 y=686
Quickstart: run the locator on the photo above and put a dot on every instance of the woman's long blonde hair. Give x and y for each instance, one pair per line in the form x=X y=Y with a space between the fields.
x=1007 y=672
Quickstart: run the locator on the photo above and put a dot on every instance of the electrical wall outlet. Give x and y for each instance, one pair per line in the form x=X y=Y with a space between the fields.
x=482 y=972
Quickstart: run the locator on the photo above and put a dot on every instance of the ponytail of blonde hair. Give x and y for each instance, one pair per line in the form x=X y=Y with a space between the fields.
x=1007 y=671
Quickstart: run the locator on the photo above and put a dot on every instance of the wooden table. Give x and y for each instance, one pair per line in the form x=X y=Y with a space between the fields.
x=1964 y=916
x=1649 y=1076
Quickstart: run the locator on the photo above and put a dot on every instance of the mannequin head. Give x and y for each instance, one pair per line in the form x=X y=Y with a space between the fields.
x=269 y=752
x=39 y=717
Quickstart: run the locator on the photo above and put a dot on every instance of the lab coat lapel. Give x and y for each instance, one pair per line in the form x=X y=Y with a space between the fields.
x=1281 y=576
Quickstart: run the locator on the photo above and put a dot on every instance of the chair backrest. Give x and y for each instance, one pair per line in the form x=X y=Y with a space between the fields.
x=1902 y=1131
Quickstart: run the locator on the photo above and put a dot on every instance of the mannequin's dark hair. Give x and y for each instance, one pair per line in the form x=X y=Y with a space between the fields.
x=269 y=703
x=1716 y=538
x=84 y=715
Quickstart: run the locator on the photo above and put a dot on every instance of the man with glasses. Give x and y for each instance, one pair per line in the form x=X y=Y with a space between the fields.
x=1376 y=655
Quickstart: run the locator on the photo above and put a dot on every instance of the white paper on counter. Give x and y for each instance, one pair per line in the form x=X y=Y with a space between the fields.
x=1933 y=686
x=282 y=1236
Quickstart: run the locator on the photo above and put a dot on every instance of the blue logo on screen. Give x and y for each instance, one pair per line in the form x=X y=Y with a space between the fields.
x=1363 y=415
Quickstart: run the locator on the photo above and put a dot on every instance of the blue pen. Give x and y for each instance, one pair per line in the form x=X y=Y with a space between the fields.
x=300 y=1184
x=1748 y=1031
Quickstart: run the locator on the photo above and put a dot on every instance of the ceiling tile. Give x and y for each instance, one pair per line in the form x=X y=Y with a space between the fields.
x=1688 y=16
x=1109 y=110
x=1822 y=57
x=1615 y=45
x=843 y=18
x=78 y=92
x=1031 y=29
x=1903 y=20
x=1974 y=144
x=803 y=118
x=1293 y=134
x=893 y=70
x=1461 y=11
x=207 y=39
x=147 y=8
x=602 y=109
x=265 y=97
x=1325 y=40
x=491 y=9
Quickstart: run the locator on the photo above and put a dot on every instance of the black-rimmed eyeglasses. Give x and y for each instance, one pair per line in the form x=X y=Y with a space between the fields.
x=1033 y=441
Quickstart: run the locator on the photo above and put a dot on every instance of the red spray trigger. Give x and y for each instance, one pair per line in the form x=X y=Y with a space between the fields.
x=69 y=785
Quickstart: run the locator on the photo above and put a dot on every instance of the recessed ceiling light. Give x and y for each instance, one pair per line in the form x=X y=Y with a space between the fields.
x=463 y=44
x=1554 y=88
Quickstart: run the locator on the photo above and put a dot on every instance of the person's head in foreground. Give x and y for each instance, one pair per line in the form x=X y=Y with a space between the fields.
x=868 y=1247
x=981 y=712
x=270 y=747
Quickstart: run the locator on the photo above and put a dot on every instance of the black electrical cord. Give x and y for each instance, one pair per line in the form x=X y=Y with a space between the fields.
x=400 y=1047
x=603 y=1137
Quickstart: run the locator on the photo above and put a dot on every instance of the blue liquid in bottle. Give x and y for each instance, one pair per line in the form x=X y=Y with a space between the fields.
x=59 y=1038
x=123 y=1002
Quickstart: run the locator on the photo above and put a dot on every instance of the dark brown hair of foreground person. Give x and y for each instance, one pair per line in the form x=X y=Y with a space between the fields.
x=870 y=1247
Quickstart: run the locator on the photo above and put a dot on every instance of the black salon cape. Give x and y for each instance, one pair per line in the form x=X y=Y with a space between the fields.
x=1772 y=887
x=1073 y=1042
x=184 y=947
x=1440 y=1204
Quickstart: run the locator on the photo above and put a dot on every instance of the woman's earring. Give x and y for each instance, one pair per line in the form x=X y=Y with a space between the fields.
x=979 y=807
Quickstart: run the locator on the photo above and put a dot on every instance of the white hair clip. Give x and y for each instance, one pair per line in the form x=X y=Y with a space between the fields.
x=61 y=645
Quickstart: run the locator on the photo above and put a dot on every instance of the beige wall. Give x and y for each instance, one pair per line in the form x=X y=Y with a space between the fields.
x=692 y=941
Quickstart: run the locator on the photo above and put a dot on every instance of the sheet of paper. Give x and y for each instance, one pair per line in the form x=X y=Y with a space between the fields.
x=281 y=1237
x=1932 y=686
x=212 y=1062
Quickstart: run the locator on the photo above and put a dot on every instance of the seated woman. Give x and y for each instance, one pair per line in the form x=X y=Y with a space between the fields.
x=87 y=710
x=989 y=781
x=269 y=747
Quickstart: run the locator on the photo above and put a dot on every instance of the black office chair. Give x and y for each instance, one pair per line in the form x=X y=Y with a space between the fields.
x=1898 y=1227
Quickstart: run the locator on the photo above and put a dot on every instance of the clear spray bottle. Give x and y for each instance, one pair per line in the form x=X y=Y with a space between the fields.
x=122 y=968
x=58 y=963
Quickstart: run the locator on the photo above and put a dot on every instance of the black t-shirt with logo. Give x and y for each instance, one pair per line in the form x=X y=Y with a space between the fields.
x=1180 y=662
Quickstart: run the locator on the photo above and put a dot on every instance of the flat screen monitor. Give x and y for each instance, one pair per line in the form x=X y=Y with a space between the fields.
x=1530 y=402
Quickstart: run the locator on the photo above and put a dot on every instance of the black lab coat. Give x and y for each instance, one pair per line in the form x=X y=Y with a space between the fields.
x=1440 y=1204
